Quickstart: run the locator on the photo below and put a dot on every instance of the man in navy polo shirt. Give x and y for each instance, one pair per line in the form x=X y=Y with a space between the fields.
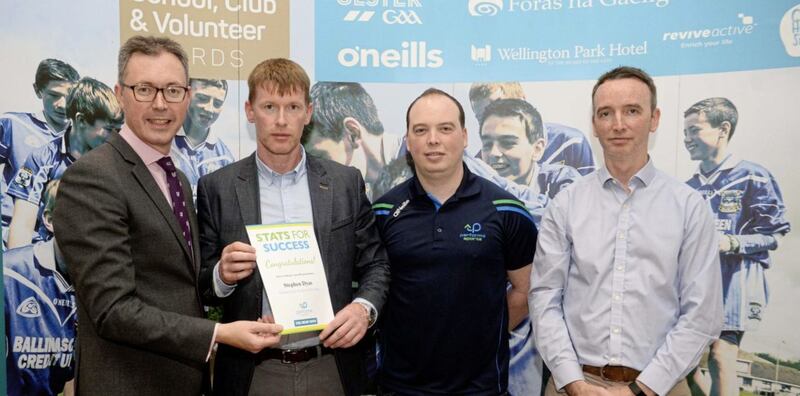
x=453 y=239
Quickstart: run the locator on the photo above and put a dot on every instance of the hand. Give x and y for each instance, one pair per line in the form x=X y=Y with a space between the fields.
x=249 y=336
x=581 y=388
x=347 y=328
x=724 y=243
x=625 y=391
x=238 y=261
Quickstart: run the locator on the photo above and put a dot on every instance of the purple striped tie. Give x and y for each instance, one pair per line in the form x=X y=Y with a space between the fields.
x=178 y=202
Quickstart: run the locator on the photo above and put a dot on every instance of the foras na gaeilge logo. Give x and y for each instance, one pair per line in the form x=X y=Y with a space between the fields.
x=484 y=7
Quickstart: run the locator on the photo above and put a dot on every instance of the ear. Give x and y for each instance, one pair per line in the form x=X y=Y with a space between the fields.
x=118 y=93
x=309 y=112
x=725 y=130
x=538 y=149
x=79 y=117
x=654 y=119
x=47 y=220
x=248 y=111
x=353 y=128
x=466 y=137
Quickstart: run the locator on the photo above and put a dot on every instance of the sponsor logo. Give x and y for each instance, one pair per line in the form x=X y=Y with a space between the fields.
x=790 y=31
x=730 y=201
x=356 y=15
x=29 y=308
x=401 y=17
x=411 y=54
x=396 y=12
x=400 y=209
x=24 y=177
x=381 y=3
x=712 y=36
x=472 y=233
x=484 y=7
x=481 y=54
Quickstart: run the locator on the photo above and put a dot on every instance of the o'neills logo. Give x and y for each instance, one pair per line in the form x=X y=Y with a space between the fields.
x=412 y=54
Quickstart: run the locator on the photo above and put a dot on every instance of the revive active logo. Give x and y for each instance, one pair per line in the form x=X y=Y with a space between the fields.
x=411 y=54
x=707 y=37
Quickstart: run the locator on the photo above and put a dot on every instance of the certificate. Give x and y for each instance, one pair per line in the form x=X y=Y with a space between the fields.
x=291 y=269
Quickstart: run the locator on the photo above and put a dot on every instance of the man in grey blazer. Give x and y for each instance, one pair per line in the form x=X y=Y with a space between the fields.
x=126 y=226
x=278 y=184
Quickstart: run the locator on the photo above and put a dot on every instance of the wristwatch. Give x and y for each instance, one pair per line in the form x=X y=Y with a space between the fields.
x=637 y=391
x=372 y=316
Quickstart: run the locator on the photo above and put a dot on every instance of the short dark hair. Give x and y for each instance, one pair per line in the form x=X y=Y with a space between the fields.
x=54 y=70
x=527 y=114
x=335 y=101
x=717 y=111
x=221 y=84
x=94 y=100
x=483 y=90
x=623 y=72
x=436 y=91
x=286 y=76
x=151 y=46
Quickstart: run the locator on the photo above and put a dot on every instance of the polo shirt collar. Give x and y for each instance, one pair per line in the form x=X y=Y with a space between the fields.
x=469 y=186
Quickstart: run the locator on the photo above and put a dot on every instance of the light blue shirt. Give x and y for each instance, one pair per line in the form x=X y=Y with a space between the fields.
x=284 y=198
x=629 y=279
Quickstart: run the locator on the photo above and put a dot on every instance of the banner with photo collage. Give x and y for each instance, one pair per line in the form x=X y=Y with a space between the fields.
x=380 y=55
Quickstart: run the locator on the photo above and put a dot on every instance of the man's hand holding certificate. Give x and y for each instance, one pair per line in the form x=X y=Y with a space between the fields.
x=290 y=265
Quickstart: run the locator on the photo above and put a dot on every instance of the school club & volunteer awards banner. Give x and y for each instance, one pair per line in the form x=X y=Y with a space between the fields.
x=746 y=52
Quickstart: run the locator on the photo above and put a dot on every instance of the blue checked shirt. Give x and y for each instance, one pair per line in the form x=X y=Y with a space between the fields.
x=626 y=279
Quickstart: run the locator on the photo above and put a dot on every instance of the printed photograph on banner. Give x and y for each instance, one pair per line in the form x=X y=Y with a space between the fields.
x=737 y=153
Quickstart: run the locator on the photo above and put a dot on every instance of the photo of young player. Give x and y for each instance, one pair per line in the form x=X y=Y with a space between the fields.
x=196 y=150
x=565 y=145
x=93 y=113
x=345 y=128
x=513 y=142
x=40 y=314
x=21 y=133
x=750 y=217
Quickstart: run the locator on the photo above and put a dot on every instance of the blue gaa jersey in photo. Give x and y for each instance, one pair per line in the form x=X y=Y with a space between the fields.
x=567 y=146
x=43 y=165
x=20 y=135
x=449 y=264
x=748 y=206
x=196 y=162
x=40 y=321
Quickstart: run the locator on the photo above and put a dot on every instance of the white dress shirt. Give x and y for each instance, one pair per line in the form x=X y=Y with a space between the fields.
x=630 y=279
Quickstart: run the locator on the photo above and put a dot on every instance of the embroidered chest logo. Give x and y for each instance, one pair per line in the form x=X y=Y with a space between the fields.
x=29 y=308
x=472 y=233
x=24 y=177
x=730 y=201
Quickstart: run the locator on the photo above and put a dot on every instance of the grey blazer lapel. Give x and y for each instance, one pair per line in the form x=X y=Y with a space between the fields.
x=145 y=179
x=321 y=191
x=247 y=195
x=247 y=198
